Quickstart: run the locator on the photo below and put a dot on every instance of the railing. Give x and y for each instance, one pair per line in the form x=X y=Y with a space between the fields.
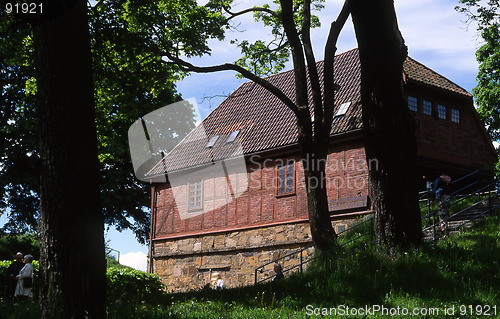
x=302 y=262
x=430 y=213
x=486 y=190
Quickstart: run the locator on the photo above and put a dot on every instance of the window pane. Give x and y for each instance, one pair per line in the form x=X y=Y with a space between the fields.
x=455 y=115
x=343 y=109
x=441 y=111
x=427 y=107
x=412 y=103
x=232 y=137
x=285 y=179
x=289 y=186
x=212 y=141
x=194 y=198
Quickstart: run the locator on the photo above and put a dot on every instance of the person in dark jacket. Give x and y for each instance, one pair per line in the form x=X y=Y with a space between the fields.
x=13 y=271
x=441 y=193
x=279 y=272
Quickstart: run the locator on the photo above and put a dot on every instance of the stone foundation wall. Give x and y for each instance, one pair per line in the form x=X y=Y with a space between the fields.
x=187 y=263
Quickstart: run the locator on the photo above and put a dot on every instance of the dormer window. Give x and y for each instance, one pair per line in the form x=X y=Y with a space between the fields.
x=343 y=109
x=212 y=141
x=441 y=111
x=427 y=107
x=455 y=115
x=232 y=136
x=412 y=103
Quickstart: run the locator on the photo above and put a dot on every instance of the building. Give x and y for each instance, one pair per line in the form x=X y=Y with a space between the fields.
x=268 y=218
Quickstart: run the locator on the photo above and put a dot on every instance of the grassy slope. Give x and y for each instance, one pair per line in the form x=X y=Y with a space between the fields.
x=462 y=269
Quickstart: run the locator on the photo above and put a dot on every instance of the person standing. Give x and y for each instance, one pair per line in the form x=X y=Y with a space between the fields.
x=279 y=272
x=441 y=193
x=25 y=279
x=13 y=270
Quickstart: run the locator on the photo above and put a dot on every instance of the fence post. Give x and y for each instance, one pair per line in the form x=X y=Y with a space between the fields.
x=301 y=261
x=433 y=225
x=255 y=275
x=429 y=209
x=490 y=207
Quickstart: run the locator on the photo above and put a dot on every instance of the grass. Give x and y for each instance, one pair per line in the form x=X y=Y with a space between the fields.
x=459 y=271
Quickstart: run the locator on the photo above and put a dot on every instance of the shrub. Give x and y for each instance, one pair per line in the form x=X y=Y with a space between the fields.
x=129 y=285
x=10 y=244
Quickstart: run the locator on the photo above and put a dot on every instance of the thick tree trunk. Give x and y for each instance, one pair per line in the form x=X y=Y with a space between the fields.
x=391 y=146
x=72 y=265
x=322 y=232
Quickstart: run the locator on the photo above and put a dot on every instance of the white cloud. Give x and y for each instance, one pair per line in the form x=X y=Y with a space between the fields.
x=137 y=260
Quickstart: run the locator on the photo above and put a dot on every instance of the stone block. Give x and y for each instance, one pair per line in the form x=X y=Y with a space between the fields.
x=253 y=261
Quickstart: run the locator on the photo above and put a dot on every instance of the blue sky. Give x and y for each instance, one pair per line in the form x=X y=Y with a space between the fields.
x=435 y=34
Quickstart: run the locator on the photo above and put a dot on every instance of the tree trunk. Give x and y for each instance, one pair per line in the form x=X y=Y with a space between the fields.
x=71 y=225
x=391 y=146
x=322 y=232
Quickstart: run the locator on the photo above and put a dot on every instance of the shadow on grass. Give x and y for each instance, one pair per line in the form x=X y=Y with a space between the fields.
x=462 y=269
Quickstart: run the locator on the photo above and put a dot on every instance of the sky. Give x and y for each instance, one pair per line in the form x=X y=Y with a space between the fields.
x=436 y=35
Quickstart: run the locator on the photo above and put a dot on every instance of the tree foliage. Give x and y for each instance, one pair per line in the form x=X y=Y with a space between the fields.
x=130 y=80
x=487 y=92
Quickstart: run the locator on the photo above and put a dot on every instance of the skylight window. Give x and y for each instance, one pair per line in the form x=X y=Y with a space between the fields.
x=212 y=141
x=232 y=136
x=343 y=109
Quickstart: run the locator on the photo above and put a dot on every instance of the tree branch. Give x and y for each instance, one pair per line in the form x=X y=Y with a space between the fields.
x=186 y=66
x=297 y=53
x=311 y=65
x=328 y=69
x=254 y=9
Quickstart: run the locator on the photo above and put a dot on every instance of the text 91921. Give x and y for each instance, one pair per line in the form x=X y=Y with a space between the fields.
x=24 y=7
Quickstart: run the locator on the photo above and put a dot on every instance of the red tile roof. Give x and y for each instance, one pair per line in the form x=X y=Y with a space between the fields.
x=420 y=73
x=266 y=123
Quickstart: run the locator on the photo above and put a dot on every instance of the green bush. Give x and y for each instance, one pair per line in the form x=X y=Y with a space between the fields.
x=129 y=285
x=10 y=244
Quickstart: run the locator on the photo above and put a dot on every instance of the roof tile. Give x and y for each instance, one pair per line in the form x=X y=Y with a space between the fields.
x=266 y=123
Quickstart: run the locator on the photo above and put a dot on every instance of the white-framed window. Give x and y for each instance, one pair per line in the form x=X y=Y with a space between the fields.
x=232 y=136
x=441 y=111
x=343 y=109
x=195 y=195
x=212 y=141
x=286 y=179
x=427 y=107
x=413 y=103
x=455 y=115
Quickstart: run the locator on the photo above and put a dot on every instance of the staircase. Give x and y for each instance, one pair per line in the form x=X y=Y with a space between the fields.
x=463 y=220
x=485 y=201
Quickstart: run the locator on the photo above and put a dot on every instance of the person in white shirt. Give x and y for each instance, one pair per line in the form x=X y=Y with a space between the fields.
x=217 y=282
x=25 y=278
